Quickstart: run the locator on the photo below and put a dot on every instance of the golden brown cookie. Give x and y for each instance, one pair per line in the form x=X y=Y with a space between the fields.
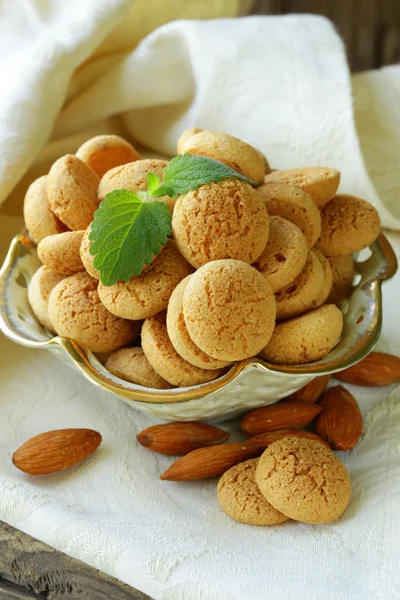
x=165 y=360
x=349 y=224
x=267 y=168
x=220 y=220
x=72 y=192
x=229 y=310
x=304 y=291
x=61 y=252
x=104 y=152
x=147 y=294
x=284 y=255
x=39 y=220
x=77 y=313
x=241 y=499
x=179 y=335
x=321 y=183
x=39 y=289
x=86 y=258
x=304 y=480
x=296 y=206
x=306 y=338
x=230 y=150
x=132 y=365
x=187 y=133
x=328 y=278
x=343 y=273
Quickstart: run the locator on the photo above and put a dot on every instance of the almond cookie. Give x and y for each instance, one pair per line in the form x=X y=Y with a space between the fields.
x=229 y=310
x=86 y=258
x=349 y=224
x=284 y=255
x=343 y=274
x=328 y=278
x=147 y=294
x=39 y=220
x=241 y=499
x=230 y=150
x=296 y=206
x=165 y=360
x=72 y=192
x=104 y=152
x=133 y=177
x=321 y=183
x=132 y=365
x=61 y=252
x=304 y=480
x=187 y=133
x=76 y=312
x=220 y=220
x=39 y=289
x=306 y=338
x=304 y=292
x=179 y=335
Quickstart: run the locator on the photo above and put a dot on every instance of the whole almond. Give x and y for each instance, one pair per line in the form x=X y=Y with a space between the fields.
x=212 y=461
x=311 y=392
x=269 y=437
x=376 y=369
x=279 y=416
x=340 y=422
x=180 y=438
x=55 y=450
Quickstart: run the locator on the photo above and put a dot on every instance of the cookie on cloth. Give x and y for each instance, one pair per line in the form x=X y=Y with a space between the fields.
x=104 y=152
x=321 y=183
x=132 y=365
x=343 y=274
x=39 y=289
x=61 y=252
x=39 y=220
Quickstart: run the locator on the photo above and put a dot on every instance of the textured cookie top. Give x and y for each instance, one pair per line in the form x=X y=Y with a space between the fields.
x=39 y=290
x=147 y=294
x=220 y=220
x=230 y=150
x=328 y=278
x=86 y=258
x=76 y=312
x=61 y=252
x=343 y=273
x=303 y=293
x=229 y=310
x=165 y=360
x=241 y=498
x=293 y=204
x=284 y=255
x=39 y=220
x=104 y=152
x=321 y=183
x=132 y=365
x=349 y=224
x=304 y=480
x=179 y=334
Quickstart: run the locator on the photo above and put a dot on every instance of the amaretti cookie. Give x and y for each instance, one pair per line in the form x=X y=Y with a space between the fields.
x=304 y=292
x=321 y=183
x=349 y=224
x=241 y=498
x=165 y=360
x=147 y=294
x=76 y=312
x=284 y=255
x=132 y=365
x=61 y=252
x=304 y=480
x=306 y=338
x=86 y=258
x=328 y=278
x=104 y=152
x=39 y=220
x=72 y=192
x=296 y=206
x=220 y=220
x=185 y=135
x=343 y=274
x=229 y=310
x=39 y=289
x=179 y=335
x=230 y=150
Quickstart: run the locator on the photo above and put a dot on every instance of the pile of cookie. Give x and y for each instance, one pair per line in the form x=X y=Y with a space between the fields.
x=249 y=270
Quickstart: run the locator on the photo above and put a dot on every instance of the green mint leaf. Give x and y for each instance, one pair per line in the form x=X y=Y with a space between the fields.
x=126 y=233
x=142 y=195
x=164 y=190
x=153 y=183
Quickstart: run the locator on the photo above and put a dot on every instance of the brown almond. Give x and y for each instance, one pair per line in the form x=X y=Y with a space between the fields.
x=376 y=369
x=279 y=416
x=55 y=450
x=180 y=438
x=269 y=437
x=340 y=422
x=311 y=392
x=211 y=462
